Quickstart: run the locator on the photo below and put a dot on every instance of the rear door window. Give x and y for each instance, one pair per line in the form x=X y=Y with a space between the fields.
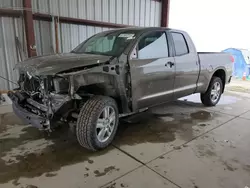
x=180 y=44
x=153 y=45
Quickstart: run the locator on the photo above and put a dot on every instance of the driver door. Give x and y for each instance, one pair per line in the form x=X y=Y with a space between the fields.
x=152 y=73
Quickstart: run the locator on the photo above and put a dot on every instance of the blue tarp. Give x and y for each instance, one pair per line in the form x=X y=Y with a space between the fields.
x=239 y=66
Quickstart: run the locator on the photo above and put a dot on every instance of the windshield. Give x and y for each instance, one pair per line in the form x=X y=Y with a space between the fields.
x=111 y=44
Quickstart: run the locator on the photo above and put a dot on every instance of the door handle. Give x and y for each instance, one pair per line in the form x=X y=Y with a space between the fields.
x=171 y=64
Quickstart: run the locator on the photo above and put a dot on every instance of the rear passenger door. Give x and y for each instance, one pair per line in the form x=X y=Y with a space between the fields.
x=152 y=78
x=186 y=65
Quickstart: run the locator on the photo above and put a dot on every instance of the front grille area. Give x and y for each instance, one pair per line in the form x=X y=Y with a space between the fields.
x=29 y=84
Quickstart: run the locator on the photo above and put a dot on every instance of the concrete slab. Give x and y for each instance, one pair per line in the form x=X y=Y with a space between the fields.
x=220 y=158
x=8 y=120
x=239 y=85
x=246 y=115
x=165 y=128
x=31 y=158
x=5 y=108
x=141 y=177
x=6 y=105
x=229 y=103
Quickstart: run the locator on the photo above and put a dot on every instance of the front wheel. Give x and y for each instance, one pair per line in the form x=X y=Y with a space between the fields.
x=97 y=123
x=213 y=93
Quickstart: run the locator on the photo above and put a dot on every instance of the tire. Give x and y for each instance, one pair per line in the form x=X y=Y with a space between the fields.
x=206 y=97
x=86 y=127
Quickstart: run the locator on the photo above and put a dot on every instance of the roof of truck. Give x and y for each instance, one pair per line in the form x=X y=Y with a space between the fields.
x=142 y=29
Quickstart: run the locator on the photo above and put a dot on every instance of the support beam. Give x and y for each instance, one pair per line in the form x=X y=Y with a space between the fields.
x=165 y=13
x=10 y=13
x=57 y=34
x=29 y=28
x=78 y=21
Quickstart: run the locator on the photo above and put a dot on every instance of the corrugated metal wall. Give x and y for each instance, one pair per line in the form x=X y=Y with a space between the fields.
x=10 y=28
x=70 y=35
x=11 y=3
x=129 y=12
x=43 y=35
x=79 y=33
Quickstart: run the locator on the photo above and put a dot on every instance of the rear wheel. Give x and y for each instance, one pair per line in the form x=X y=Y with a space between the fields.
x=97 y=123
x=213 y=93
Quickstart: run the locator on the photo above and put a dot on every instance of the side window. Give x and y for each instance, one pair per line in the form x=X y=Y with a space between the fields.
x=153 y=45
x=180 y=44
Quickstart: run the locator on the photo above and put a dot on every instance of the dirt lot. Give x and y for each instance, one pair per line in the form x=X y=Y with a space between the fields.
x=181 y=144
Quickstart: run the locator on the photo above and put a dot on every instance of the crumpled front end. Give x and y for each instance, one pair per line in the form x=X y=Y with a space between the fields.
x=47 y=98
x=36 y=104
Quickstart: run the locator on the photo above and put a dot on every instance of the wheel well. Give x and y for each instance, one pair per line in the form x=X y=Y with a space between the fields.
x=102 y=89
x=222 y=75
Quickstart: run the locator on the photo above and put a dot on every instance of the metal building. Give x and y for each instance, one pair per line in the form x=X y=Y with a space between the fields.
x=40 y=27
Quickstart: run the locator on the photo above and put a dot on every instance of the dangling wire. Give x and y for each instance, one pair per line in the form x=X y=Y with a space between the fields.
x=8 y=80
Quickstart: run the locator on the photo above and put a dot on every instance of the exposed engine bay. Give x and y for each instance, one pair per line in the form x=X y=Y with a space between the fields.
x=42 y=97
x=59 y=97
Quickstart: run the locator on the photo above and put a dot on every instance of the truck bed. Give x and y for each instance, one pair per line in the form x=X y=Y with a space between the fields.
x=210 y=62
x=213 y=59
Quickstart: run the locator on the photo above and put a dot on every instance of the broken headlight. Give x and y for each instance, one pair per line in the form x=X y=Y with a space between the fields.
x=61 y=85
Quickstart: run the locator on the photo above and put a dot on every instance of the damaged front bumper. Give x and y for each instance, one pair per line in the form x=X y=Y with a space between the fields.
x=34 y=113
x=28 y=117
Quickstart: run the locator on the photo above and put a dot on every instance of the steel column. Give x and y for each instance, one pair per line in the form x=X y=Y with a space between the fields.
x=57 y=34
x=165 y=13
x=29 y=28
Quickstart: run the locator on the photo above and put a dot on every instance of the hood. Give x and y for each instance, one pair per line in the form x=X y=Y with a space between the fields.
x=53 y=64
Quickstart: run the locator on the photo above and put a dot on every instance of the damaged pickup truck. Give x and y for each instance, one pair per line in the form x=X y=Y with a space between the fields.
x=114 y=74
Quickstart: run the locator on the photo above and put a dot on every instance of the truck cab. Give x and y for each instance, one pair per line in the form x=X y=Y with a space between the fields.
x=164 y=66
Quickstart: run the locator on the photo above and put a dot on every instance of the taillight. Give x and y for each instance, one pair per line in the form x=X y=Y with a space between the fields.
x=232 y=58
